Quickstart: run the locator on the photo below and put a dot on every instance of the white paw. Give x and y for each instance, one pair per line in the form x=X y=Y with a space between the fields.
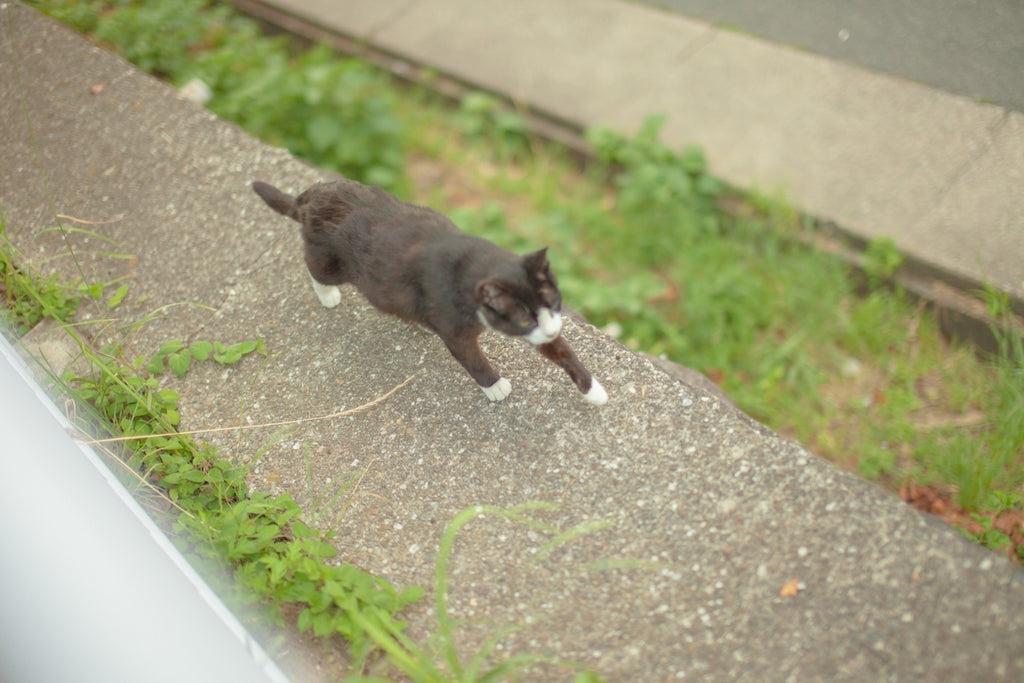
x=597 y=395
x=329 y=295
x=499 y=390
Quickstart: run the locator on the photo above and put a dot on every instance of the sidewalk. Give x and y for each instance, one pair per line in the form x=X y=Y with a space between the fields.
x=716 y=550
x=878 y=156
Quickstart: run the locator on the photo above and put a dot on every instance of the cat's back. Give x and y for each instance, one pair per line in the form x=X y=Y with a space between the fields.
x=332 y=203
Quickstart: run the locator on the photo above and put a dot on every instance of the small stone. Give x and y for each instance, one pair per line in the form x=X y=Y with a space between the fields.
x=851 y=368
x=196 y=91
x=613 y=330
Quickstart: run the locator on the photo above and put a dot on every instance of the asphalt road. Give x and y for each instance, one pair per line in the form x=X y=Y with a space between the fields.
x=973 y=48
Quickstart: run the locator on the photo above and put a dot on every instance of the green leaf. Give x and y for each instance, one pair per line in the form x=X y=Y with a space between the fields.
x=709 y=186
x=245 y=347
x=325 y=550
x=180 y=362
x=693 y=160
x=228 y=357
x=411 y=594
x=234 y=353
x=169 y=347
x=201 y=350
x=94 y=290
x=323 y=623
x=305 y=620
x=169 y=396
x=118 y=297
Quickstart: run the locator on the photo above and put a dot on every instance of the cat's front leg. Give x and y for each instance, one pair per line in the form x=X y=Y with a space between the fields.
x=466 y=349
x=329 y=295
x=561 y=354
x=499 y=390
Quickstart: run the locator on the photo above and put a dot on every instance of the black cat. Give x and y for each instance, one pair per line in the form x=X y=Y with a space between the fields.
x=414 y=263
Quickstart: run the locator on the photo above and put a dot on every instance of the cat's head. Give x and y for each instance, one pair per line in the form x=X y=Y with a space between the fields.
x=524 y=301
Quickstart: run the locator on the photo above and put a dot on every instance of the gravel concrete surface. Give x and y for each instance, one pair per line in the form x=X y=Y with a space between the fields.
x=699 y=521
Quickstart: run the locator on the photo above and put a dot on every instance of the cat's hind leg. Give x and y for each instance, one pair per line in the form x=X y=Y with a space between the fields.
x=329 y=295
x=324 y=268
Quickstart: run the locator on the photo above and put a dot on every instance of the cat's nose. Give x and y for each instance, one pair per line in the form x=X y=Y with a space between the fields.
x=550 y=323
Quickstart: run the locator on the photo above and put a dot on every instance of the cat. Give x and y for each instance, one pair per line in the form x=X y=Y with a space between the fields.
x=414 y=263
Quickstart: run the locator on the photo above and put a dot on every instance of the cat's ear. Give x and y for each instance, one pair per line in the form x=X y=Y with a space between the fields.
x=537 y=262
x=491 y=294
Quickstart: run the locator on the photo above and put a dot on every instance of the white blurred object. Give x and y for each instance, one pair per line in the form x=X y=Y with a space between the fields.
x=613 y=330
x=92 y=589
x=196 y=91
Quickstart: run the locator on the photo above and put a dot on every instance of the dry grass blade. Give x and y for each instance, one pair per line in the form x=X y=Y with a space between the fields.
x=285 y=423
x=85 y=222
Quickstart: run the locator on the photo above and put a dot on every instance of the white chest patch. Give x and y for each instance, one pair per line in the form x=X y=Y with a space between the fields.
x=549 y=326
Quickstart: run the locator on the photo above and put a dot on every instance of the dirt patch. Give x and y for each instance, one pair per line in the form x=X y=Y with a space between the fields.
x=939 y=503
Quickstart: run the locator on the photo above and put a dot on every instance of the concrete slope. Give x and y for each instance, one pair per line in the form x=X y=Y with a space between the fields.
x=699 y=543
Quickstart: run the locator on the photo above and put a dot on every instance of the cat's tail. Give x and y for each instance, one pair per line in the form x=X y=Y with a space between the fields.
x=278 y=201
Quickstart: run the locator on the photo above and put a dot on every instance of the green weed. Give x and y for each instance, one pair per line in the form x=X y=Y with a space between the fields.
x=256 y=538
x=666 y=198
x=27 y=296
x=336 y=113
x=989 y=536
x=158 y=36
x=443 y=662
x=484 y=119
x=179 y=357
x=881 y=260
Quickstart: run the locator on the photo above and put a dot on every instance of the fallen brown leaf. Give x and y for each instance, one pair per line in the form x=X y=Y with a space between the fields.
x=941 y=504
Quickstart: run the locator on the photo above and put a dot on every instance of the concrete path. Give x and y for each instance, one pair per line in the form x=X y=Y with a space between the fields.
x=709 y=547
x=940 y=173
